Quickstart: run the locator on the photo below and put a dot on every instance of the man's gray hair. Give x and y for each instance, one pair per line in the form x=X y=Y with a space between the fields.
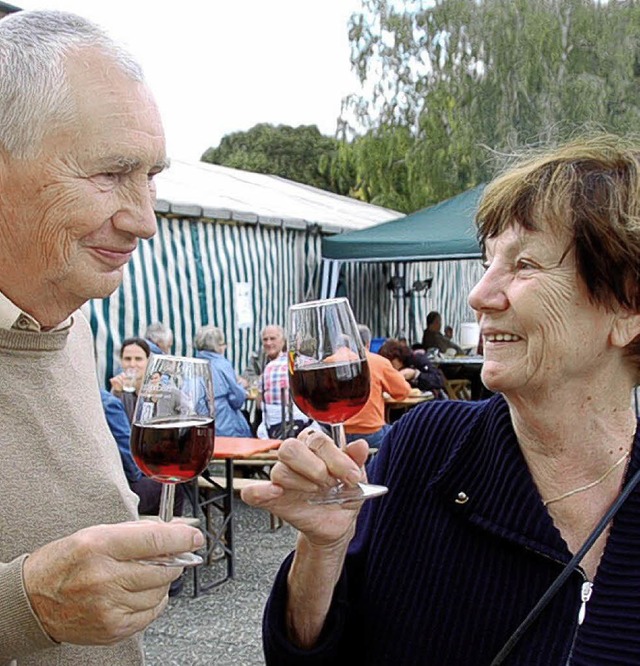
x=34 y=91
x=365 y=334
x=278 y=328
x=159 y=333
x=209 y=338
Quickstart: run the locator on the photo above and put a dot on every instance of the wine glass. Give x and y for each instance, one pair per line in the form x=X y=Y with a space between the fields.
x=329 y=377
x=172 y=433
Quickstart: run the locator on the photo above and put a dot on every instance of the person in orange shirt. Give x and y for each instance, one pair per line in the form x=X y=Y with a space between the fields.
x=369 y=423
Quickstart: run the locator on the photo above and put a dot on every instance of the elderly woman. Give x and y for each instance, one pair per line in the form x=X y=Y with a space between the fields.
x=229 y=395
x=488 y=501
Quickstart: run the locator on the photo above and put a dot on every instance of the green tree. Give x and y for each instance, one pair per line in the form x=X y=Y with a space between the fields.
x=301 y=154
x=470 y=79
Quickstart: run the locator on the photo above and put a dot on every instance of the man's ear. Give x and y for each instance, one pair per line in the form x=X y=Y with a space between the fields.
x=626 y=328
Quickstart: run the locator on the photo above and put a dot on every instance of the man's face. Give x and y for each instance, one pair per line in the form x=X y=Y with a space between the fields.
x=272 y=341
x=71 y=217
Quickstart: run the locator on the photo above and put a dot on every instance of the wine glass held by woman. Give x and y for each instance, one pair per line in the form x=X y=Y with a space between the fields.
x=489 y=501
x=172 y=434
x=329 y=379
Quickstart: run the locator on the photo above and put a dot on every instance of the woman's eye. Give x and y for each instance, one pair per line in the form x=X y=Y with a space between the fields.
x=524 y=265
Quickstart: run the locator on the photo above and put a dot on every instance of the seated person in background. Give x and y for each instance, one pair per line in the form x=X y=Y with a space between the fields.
x=272 y=345
x=159 y=338
x=229 y=394
x=273 y=386
x=369 y=423
x=134 y=356
x=433 y=337
x=415 y=367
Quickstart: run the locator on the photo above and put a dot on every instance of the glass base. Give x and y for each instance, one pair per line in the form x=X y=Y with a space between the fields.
x=175 y=560
x=341 y=494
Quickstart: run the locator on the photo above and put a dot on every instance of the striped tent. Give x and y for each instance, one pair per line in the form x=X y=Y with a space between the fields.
x=438 y=242
x=233 y=249
x=374 y=303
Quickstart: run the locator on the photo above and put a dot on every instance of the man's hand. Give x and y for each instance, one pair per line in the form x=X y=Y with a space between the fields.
x=89 y=588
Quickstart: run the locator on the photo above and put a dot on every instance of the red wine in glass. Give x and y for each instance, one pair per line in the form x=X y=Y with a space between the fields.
x=173 y=451
x=329 y=378
x=172 y=434
x=331 y=392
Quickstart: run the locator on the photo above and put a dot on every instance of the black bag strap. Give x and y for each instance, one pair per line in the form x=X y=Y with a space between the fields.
x=567 y=571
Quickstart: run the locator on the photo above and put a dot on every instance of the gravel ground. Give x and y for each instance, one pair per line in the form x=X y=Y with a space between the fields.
x=223 y=626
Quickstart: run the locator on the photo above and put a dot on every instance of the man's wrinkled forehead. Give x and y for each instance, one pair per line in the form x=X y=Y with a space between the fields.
x=271 y=334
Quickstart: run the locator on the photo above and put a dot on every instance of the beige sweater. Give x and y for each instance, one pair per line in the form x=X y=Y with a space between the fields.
x=60 y=471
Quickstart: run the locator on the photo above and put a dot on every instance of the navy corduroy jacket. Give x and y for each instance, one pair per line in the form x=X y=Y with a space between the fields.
x=434 y=581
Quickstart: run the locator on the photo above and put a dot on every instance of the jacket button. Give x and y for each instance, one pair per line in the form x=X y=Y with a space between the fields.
x=462 y=498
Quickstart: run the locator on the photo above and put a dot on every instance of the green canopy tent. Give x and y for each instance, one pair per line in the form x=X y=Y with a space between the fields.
x=443 y=231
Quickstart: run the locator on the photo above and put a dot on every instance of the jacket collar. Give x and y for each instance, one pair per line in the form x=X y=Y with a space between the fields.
x=488 y=482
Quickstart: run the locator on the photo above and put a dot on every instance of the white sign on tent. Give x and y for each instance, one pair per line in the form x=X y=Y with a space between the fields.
x=243 y=309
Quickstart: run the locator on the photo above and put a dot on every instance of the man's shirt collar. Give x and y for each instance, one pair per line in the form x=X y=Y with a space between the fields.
x=11 y=316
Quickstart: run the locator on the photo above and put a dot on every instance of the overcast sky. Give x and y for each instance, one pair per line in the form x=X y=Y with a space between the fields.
x=217 y=66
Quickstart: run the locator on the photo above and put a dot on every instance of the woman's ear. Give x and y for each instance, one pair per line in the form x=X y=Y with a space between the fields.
x=626 y=328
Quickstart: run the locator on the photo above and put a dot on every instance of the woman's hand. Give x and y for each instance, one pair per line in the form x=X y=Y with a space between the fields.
x=309 y=464
x=117 y=383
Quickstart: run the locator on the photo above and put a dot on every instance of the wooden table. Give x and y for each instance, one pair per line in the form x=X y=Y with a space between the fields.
x=406 y=404
x=219 y=499
x=459 y=361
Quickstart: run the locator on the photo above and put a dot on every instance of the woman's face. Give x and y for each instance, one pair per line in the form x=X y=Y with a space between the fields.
x=540 y=330
x=397 y=363
x=133 y=356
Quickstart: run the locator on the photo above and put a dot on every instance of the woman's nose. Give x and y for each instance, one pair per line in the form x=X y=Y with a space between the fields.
x=489 y=292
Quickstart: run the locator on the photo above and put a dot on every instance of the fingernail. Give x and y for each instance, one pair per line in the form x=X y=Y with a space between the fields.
x=275 y=491
x=354 y=477
x=198 y=539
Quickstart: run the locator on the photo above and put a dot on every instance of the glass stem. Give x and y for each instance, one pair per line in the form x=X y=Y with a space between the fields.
x=339 y=438
x=166 y=501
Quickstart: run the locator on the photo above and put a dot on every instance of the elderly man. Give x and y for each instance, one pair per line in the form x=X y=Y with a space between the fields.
x=272 y=344
x=80 y=142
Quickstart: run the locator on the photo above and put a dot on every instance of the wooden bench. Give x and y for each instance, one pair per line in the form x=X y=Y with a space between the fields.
x=259 y=464
x=238 y=484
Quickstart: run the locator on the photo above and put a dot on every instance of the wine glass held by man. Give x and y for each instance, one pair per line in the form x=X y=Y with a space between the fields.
x=172 y=433
x=491 y=502
x=80 y=142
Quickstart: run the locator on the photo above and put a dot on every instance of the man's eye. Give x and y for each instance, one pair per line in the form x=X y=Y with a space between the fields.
x=524 y=265
x=105 y=180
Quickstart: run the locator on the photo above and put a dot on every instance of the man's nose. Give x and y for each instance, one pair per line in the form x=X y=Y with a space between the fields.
x=136 y=214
